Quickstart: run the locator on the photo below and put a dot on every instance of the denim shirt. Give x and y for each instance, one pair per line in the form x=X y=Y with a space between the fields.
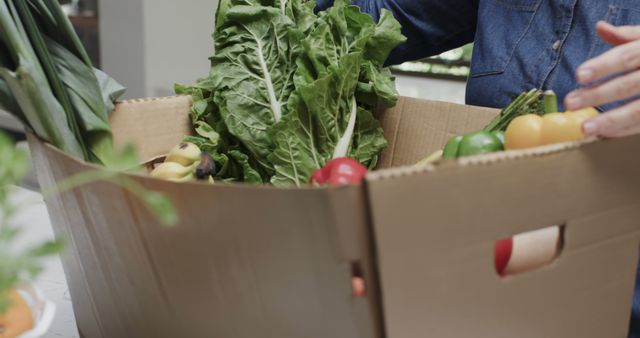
x=519 y=45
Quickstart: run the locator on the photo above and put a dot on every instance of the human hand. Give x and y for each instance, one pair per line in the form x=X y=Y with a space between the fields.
x=622 y=62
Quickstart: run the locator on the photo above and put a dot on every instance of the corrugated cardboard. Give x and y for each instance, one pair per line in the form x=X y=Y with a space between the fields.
x=263 y=262
x=242 y=262
x=435 y=247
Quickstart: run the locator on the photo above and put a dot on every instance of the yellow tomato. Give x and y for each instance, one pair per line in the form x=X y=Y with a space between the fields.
x=524 y=132
x=585 y=113
x=559 y=127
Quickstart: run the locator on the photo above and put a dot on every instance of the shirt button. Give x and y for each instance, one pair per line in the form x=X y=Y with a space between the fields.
x=556 y=45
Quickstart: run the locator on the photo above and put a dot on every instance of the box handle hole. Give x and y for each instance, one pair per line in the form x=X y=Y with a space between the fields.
x=528 y=251
x=358 y=285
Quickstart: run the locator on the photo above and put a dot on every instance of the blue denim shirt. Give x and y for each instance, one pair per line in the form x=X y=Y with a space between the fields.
x=519 y=45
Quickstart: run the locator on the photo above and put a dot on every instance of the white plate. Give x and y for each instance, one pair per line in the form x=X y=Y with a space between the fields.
x=42 y=309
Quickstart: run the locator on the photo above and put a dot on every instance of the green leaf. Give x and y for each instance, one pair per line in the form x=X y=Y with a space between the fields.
x=181 y=89
x=58 y=26
x=290 y=90
x=207 y=132
x=42 y=54
x=337 y=67
x=249 y=174
x=368 y=140
x=301 y=12
x=386 y=37
x=8 y=102
x=87 y=100
x=126 y=160
x=252 y=74
x=30 y=87
x=379 y=85
x=47 y=249
x=162 y=207
x=292 y=163
x=323 y=109
x=111 y=90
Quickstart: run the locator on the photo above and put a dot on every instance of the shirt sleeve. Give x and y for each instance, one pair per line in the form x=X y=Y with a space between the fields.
x=431 y=26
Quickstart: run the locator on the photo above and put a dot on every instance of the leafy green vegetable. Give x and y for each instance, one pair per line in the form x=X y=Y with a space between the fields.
x=30 y=86
x=253 y=69
x=48 y=82
x=290 y=89
x=343 y=59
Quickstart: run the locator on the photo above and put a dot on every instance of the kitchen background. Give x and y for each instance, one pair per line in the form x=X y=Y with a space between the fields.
x=148 y=45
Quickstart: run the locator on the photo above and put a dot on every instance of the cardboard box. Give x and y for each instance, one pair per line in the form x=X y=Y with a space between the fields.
x=249 y=261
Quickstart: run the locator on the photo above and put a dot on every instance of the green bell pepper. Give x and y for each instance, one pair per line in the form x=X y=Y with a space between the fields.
x=476 y=143
x=451 y=149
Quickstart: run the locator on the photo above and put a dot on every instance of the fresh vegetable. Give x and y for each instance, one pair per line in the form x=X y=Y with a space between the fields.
x=532 y=130
x=549 y=102
x=340 y=171
x=451 y=148
x=524 y=132
x=477 y=143
x=290 y=90
x=47 y=80
x=500 y=135
x=481 y=142
x=484 y=141
x=186 y=162
x=525 y=103
x=436 y=156
x=502 y=254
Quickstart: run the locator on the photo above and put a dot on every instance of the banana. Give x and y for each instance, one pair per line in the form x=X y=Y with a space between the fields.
x=184 y=163
x=206 y=168
x=172 y=171
x=184 y=153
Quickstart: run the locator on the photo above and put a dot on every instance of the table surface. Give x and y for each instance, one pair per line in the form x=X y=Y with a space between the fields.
x=34 y=219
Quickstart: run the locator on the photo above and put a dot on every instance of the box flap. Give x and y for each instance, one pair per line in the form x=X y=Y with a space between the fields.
x=416 y=128
x=435 y=230
x=164 y=120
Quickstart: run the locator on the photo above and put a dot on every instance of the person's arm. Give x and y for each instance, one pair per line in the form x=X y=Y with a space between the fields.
x=431 y=26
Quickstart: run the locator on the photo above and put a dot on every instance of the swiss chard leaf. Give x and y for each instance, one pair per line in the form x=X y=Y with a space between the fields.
x=290 y=90
x=323 y=110
x=252 y=75
x=339 y=81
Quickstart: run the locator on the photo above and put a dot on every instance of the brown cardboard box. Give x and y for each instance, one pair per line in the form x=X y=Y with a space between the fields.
x=248 y=262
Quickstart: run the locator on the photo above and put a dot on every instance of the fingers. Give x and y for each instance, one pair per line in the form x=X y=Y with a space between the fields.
x=626 y=132
x=619 y=88
x=618 y=122
x=620 y=59
x=617 y=35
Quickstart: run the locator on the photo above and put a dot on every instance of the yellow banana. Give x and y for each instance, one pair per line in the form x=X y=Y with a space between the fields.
x=186 y=162
x=172 y=171
x=184 y=153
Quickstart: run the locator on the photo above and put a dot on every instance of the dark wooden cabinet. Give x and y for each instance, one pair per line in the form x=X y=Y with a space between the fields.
x=89 y=33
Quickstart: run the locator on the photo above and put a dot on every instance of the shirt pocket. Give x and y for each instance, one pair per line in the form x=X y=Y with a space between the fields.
x=496 y=40
x=619 y=13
